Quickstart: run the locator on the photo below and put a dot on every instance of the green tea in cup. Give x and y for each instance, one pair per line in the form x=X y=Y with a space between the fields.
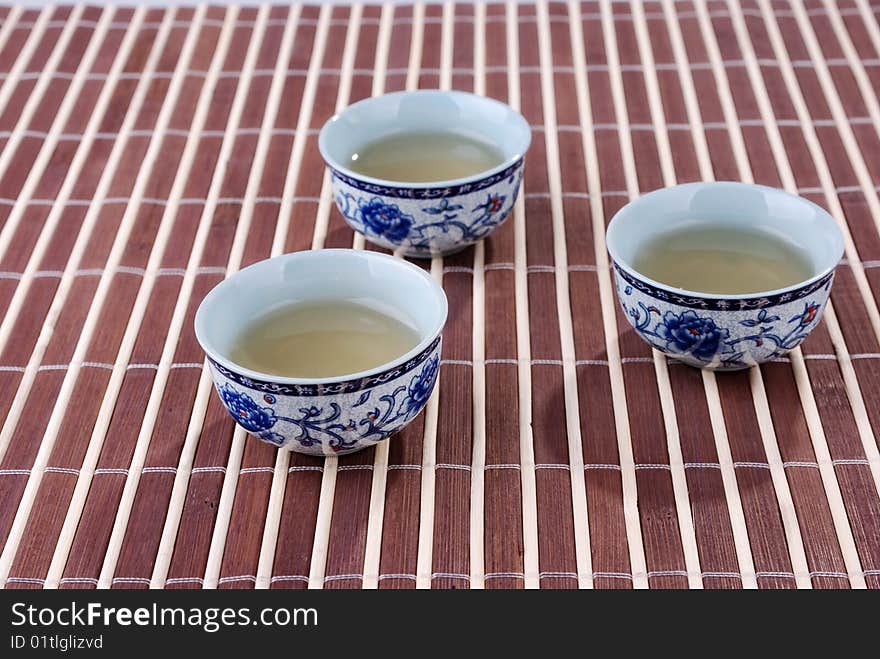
x=321 y=339
x=424 y=156
x=723 y=259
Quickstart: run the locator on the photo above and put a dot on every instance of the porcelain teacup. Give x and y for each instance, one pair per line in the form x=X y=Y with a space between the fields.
x=426 y=219
x=336 y=415
x=713 y=331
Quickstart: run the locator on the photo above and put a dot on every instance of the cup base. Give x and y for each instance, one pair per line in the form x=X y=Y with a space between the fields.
x=422 y=254
x=349 y=451
x=718 y=369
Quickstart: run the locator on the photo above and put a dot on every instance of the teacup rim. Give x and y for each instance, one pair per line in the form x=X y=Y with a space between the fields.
x=429 y=337
x=805 y=283
x=335 y=165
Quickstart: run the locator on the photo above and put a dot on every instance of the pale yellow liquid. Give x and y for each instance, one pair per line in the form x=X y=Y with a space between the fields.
x=320 y=340
x=422 y=157
x=728 y=261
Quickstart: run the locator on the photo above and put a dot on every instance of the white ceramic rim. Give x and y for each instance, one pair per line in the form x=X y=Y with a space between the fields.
x=406 y=266
x=823 y=272
x=388 y=183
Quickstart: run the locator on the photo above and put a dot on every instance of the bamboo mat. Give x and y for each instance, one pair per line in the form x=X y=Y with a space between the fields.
x=147 y=153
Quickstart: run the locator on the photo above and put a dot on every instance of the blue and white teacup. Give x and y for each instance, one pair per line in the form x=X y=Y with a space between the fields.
x=723 y=332
x=426 y=219
x=325 y=416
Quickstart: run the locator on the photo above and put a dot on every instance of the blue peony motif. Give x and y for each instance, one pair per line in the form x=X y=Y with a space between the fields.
x=420 y=386
x=332 y=426
x=249 y=414
x=691 y=334
x=385 y=220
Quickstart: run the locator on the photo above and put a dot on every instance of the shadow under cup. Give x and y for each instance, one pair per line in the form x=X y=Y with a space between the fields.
x=335 y=415
x=714 y=331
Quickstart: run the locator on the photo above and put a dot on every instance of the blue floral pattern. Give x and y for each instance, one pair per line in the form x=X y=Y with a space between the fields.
x=484 y=217
x=436 y=221
x=699 y=340
x=721 y=333
x=272 y=437
x=421 y=386
x=334 y=424
x=380 y=423
x=385 y=220
x=690 y=334
x=246 y=412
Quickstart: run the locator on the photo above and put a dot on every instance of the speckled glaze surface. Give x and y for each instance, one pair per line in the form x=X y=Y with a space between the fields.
x=335 y=415
x=334 y=418
x=425 y=219
x=428 y=221
x=723 y=332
